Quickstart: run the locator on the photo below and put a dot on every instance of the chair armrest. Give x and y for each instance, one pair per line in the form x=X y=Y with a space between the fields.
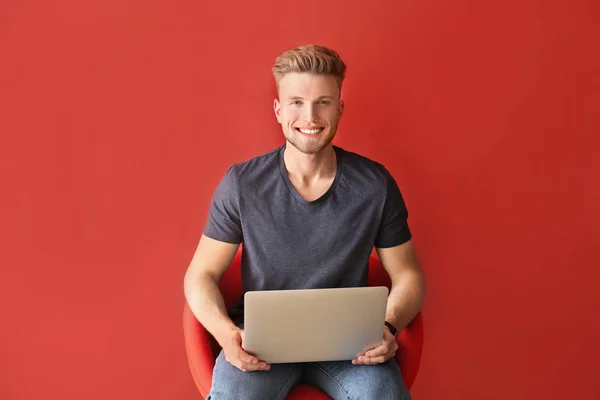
x=410 y=347
x=199 y=349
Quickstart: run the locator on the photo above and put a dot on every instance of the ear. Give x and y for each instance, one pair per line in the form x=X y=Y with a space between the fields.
x=277 y=109
x=341 y=109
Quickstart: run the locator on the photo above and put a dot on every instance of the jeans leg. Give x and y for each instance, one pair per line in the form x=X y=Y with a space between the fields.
x=230 y=383
x=344 y=380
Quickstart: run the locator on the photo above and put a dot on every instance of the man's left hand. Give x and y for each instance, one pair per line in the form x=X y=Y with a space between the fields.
x=380 y=354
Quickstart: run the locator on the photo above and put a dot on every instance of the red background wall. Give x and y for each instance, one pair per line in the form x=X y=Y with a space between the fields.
x=119 y=118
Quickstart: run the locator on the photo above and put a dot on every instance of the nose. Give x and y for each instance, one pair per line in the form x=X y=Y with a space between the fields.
x=310 y=114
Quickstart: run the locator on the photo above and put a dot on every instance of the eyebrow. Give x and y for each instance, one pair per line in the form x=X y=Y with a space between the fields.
x=302 y=98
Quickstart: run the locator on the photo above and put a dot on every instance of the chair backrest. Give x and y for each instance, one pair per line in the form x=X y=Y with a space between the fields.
x=231 y=281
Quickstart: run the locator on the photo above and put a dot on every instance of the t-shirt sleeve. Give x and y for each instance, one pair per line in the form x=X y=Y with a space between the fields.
x=393 y=228
x=224 y=219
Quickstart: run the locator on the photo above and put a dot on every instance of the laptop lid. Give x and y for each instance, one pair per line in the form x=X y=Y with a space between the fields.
x=282 y=326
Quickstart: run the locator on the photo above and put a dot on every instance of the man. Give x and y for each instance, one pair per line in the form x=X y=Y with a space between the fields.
x=309 y=214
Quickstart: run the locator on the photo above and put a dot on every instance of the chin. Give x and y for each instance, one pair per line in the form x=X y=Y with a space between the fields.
x=309 y=148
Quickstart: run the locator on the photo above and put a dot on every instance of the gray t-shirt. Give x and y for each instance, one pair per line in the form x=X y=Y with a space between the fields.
x=291 y=243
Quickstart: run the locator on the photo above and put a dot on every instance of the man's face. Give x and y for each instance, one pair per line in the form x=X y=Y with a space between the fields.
x=309 y=110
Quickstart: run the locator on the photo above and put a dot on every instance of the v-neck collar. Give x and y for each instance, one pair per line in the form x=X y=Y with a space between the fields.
x=292 y=189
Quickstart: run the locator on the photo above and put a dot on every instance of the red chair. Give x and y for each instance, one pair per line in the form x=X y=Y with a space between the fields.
x=202 y=348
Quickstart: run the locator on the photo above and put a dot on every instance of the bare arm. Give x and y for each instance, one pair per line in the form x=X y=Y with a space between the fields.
x=201 y=287
x=404 y=301
x=408 y=283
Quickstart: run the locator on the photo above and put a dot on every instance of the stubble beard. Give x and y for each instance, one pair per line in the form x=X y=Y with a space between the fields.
x=311 y=147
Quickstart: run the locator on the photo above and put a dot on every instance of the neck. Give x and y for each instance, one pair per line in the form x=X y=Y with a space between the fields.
x=310 y=167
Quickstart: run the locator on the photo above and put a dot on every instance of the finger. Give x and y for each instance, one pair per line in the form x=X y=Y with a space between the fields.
x=252 y=363
x=367 y=349
x=372 y=360
x=247 y=358
x=243 y=360
x=378 y=351
x=375 y=359
x=262 y=366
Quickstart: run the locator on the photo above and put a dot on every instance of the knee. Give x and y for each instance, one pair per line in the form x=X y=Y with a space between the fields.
x=378 y=383
x=258 y=390
x=230 y=383
x=238 y=385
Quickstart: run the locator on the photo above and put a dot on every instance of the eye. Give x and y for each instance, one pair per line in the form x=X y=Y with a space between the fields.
x=297 y=102
x=324 y=102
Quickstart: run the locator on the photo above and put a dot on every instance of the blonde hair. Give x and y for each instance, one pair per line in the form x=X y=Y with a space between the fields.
x=314 y=59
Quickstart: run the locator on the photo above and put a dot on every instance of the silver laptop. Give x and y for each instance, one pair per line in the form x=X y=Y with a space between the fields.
x=282 y=326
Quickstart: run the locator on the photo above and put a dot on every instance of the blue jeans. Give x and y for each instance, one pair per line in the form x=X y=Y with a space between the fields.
x=339 y=379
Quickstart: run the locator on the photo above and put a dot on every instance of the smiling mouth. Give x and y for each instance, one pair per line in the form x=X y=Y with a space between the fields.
x=311 y=131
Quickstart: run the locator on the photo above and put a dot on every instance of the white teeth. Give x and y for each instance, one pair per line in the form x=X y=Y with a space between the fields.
x=310 y=131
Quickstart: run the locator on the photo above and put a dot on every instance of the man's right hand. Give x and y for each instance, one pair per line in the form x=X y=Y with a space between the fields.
x=235 y=354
